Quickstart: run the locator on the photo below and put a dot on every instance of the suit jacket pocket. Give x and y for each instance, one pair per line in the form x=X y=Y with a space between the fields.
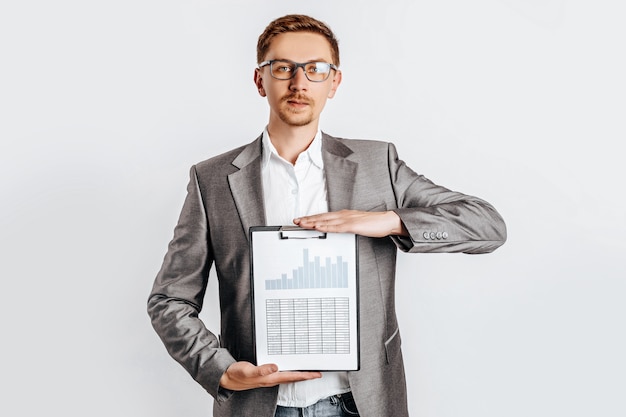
x=392 y=346
x=377 y=207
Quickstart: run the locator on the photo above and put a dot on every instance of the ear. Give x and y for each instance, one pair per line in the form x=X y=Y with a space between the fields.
x=335 y=84
x=258 y=81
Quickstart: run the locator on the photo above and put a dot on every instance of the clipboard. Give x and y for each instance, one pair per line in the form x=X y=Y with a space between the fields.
x=305 y=298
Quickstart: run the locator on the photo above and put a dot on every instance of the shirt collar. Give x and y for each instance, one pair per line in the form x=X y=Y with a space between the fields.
x=314 y=150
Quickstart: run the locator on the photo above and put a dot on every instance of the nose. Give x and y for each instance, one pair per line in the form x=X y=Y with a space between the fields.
x=299 y=81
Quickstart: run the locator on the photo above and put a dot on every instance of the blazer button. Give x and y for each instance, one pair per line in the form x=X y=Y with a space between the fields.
x=439 y=235
x=426 y=235
x=444 y=235
x=433 y=235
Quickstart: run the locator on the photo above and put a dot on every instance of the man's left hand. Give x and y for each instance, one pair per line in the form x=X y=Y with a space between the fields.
x=365 y=223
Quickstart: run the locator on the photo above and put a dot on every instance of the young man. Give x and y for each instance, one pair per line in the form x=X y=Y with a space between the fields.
x=295 y=174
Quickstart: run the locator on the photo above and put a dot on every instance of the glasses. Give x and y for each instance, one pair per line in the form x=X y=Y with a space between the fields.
x=286 y=70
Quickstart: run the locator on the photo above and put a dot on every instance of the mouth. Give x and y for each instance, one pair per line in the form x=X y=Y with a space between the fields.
x=298 y=102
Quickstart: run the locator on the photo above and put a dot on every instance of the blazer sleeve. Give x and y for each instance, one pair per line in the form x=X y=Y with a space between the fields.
x=438 y=219
x=177 y=296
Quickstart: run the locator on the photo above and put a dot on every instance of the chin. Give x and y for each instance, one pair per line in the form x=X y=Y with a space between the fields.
x=296 y=120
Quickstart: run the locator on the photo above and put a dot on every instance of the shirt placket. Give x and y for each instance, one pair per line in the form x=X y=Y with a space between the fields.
x=300 y=170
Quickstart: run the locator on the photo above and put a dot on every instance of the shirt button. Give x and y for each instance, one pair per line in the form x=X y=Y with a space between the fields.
x=294 y=191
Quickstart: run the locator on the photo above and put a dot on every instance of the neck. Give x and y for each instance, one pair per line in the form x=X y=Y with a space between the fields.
x=291 y=141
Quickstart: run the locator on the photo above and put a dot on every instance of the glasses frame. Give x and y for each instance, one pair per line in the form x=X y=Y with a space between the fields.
x=297 y=65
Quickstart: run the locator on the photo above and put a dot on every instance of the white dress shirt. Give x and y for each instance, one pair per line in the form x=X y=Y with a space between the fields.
x=291 y=191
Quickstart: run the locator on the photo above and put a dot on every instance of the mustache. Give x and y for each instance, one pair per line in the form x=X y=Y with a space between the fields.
x=301 y=98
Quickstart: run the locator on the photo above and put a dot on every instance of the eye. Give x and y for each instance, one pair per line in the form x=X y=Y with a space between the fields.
x=283 y=67
x=318 y=68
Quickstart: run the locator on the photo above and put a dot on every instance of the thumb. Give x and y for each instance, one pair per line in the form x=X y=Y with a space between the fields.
x=267 y=369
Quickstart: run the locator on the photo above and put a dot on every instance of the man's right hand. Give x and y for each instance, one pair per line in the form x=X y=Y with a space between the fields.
x=243 y=375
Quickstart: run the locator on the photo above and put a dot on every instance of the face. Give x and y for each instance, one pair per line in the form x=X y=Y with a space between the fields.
x=298 y=101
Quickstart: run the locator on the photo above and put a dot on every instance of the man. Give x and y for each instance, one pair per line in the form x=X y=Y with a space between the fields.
x=294 y=174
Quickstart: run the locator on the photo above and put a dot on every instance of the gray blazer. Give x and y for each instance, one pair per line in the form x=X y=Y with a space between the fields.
x=225 y=198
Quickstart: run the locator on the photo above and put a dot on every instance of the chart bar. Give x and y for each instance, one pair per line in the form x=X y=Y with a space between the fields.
x=313 y=274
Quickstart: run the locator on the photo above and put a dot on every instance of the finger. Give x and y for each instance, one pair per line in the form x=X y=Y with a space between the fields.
x=291 y=376
x=318 y=222
x=320 y=217
x=331 y=228
x=266 y=369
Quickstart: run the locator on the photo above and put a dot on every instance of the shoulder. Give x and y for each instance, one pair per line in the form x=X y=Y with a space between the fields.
x=358 y=148
x=227 y=162
x=354 y=143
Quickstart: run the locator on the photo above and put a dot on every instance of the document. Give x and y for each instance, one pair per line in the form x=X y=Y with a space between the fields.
x=305 y=296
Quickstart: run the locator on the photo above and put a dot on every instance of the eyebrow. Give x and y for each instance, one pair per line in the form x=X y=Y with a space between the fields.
x=310 y=60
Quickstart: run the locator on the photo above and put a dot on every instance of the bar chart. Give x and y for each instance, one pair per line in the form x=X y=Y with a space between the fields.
x=313 y=273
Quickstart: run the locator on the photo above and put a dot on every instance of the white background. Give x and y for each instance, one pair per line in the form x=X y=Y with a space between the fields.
x=104 y=105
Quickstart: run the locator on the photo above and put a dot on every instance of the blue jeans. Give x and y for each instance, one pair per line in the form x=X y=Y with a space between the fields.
x=336 y=406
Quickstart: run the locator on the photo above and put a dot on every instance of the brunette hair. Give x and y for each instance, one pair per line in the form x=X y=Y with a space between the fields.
x=296 y=23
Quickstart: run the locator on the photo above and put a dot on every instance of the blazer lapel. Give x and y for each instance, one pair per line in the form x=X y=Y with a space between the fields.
x=339 y=171
x=246 y=186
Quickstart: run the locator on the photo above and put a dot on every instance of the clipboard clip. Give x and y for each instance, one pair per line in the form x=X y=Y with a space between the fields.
x=295 y=232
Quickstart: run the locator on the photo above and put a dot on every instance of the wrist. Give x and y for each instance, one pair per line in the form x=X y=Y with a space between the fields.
x=397 y=228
